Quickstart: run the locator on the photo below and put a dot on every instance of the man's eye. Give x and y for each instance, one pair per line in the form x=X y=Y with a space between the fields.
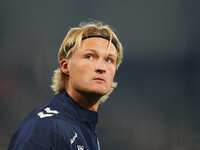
x=108 y=60
x=89 y=57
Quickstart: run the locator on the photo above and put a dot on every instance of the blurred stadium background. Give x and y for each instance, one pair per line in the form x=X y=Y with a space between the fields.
x=156 y=104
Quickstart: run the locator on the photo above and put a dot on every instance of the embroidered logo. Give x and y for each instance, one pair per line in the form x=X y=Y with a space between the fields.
x=72 y=140
x=48 y=113
x=79 y=147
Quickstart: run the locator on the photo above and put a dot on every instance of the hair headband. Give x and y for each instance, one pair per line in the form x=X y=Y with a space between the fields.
x=98 y=36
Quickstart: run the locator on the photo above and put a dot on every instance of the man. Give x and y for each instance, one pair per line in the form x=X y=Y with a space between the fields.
x=88 y=57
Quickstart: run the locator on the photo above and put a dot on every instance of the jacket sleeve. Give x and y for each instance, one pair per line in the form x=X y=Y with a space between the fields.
x=54 y=142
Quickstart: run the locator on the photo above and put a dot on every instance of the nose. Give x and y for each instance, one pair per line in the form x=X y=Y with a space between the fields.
x=100 y=71
x=100 y=67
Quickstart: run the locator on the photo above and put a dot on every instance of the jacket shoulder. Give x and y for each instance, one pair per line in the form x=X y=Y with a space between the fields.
x=43 y=128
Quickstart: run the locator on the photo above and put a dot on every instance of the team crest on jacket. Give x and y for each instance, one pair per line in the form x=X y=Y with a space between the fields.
x=79 y=147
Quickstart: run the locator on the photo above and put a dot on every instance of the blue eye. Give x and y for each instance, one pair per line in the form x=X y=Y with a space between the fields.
x=108 y=60
x=89 y=57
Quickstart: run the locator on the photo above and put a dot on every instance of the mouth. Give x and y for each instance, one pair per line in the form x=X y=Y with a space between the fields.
x=101 y=80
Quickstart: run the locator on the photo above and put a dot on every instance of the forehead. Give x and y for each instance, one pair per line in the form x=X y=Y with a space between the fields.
x=98 y=44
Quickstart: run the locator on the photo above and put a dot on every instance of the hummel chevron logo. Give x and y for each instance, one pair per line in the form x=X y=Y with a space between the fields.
x=48 y=113
x=48 y=110
x=42 y=115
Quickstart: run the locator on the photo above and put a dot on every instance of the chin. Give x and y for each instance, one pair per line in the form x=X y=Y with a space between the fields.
x=100 y=90
x=97 y=92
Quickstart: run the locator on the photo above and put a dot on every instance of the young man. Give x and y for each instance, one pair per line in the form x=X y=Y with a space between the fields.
x=89 y=57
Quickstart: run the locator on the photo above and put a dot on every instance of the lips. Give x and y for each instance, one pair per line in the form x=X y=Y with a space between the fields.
x=99 y=79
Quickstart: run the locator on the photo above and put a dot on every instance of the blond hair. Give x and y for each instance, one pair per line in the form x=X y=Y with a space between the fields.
x=73 y=40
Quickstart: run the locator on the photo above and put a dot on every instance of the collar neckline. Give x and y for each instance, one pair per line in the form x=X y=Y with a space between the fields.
x=81 y=114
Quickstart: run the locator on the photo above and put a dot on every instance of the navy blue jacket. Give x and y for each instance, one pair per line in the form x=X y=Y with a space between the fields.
x=60 y=125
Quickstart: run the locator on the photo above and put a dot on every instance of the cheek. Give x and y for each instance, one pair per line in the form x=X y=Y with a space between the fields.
x=112 y=71
x=81 y=69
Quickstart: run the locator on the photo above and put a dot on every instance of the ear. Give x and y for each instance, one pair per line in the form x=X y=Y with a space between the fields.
x=64 y=66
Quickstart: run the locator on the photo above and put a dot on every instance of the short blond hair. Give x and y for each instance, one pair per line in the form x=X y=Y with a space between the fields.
x=73 y=40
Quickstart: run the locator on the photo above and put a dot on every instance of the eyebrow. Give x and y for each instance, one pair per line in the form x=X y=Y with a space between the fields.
x=95 y=51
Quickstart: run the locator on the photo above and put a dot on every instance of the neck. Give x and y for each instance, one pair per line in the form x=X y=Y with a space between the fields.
x=85 y=100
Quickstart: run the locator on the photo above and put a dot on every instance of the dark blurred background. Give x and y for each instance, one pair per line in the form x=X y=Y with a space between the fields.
x=156 y=104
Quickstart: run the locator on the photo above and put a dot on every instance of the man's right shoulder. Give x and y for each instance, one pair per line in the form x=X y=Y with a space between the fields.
x=42 y=126
x=47 y=118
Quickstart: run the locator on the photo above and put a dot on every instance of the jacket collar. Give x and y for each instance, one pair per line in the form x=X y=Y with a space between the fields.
x=76 y=112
